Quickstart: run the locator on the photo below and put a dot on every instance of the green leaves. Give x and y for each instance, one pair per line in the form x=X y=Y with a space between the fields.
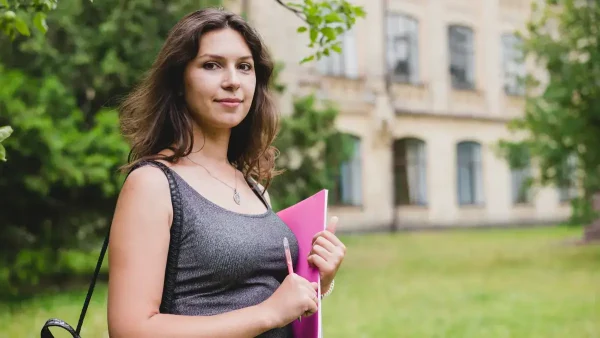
x=327 y=21
x=59 y=92
x=21 y=26
x=16 y=16
x=4 y=134
x=39 y=20
x=311 y=152
x=562 y=123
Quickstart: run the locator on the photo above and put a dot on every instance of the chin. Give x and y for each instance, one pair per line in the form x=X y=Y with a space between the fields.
x=228 y=120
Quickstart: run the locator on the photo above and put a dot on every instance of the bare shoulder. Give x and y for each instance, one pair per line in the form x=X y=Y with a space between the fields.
x=138 y=247
x=145 y=193
x=146 y=180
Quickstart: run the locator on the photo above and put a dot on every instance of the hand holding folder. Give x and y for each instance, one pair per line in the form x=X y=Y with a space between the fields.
x=306 y=219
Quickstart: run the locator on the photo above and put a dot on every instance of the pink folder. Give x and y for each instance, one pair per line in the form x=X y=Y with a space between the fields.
x=305 y=219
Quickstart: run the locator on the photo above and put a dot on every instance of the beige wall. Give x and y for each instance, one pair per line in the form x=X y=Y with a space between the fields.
x=429 y=110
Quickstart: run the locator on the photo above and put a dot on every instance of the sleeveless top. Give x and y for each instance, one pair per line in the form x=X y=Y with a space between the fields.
x=227 y=260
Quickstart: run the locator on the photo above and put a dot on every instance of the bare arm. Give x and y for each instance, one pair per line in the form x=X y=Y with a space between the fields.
x=139 y=243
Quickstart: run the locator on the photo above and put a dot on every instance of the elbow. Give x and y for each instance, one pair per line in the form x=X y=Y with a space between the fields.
x=126 y=331
x=126 y=328
x=122 y=331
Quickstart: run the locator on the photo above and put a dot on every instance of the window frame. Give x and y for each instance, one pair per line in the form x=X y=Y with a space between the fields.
x=474 y=167
x=467 y=51
x=409 y=191
x=402 y=28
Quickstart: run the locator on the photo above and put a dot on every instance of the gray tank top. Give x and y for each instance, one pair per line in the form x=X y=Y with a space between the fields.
x=227 y=260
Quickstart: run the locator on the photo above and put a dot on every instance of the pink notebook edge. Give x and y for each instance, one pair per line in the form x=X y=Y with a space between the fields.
x=325 y=207
x=325 y=193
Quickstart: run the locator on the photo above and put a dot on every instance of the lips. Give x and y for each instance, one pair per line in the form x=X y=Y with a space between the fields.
x=229 y=102
x=232 y=100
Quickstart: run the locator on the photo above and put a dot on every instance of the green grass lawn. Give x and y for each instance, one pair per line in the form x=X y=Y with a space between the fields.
x=464 y=284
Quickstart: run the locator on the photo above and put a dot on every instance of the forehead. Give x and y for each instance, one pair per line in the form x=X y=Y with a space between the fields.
x=225 y=42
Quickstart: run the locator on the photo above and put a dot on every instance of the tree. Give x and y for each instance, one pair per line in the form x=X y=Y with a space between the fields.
x=325 y=20
x=15 y=14
x=561 y=126
x=58 y=91
x=311 y=150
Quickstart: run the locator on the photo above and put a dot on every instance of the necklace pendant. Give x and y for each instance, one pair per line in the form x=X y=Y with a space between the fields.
x=236 y=197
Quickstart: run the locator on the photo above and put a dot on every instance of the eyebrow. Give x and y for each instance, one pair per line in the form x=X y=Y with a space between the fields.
x=215 y=56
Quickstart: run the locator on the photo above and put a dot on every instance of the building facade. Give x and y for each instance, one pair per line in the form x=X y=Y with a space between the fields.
x=426 y=88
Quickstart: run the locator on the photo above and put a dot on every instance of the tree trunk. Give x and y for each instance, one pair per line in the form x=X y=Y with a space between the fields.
x=592 y=231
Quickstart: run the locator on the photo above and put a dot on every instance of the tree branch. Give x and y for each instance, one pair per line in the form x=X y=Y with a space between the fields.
x=297 y=12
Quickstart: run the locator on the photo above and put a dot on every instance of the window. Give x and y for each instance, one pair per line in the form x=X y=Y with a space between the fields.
x=568 y=189
x=344 y=63
x=462 y=61
x=520 y=181
x=410 y=172
x=349 y=186
x=513 y=65
x=403 y=48
x=469 y=174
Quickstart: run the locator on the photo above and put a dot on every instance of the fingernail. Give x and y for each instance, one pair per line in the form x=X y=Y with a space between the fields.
x=334 y=219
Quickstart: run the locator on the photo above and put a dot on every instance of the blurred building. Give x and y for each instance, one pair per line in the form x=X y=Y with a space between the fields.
x=426 y=87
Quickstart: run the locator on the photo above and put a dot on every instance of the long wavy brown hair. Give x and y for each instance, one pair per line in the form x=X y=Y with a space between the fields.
x=154 y=117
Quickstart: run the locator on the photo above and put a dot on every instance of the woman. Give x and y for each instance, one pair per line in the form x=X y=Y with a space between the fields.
x=201 y=126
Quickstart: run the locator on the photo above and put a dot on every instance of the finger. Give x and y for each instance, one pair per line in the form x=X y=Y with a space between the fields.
x=304 y=283
x=332 y=224
x=311 y=296
x=301 y=282
x=326 y=244
x=315 y=286
x=313 y=304
x=321 y=251
x=333 y=239
x=317 y=235
x=310 y=312
x=331 y=227
x=310 y=261
x=321 y=263
x=308 y=288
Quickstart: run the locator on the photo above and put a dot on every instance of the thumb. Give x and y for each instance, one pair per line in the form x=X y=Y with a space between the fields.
x=332 y=224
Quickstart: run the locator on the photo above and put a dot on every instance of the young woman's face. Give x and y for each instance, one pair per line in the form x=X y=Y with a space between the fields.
x=220 y=81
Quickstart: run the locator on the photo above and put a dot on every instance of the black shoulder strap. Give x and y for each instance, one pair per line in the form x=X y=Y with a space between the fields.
x=258 y=193
x=166 y=305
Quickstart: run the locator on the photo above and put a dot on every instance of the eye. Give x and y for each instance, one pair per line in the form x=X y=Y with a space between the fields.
x=210 y=66
x=246 y=67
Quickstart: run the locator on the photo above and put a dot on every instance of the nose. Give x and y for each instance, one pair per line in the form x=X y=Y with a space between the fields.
x=231 y=80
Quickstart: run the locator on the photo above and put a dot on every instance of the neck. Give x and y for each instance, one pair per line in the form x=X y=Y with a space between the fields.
x=210 y=146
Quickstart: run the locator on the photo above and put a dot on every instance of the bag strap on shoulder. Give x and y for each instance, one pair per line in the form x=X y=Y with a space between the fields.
x=166 y=305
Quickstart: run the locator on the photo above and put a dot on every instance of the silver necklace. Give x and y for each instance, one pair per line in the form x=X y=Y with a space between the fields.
x=236 y=195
